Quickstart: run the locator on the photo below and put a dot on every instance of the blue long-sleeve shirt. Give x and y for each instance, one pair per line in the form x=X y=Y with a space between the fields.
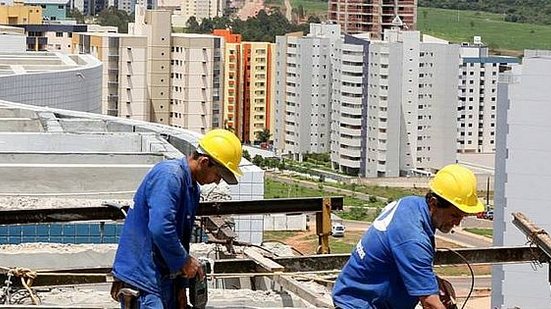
x=154 y=243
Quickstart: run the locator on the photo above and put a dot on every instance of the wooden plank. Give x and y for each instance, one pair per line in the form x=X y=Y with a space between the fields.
x=295 y=287
x=267 y=264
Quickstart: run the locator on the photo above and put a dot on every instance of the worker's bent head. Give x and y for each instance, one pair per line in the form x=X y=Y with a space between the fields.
x=224 y=150
x=457 y=185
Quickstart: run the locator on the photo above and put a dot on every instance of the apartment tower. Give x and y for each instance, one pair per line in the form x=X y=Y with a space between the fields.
x=374 y=16
x=249 y=72
x=303 y=90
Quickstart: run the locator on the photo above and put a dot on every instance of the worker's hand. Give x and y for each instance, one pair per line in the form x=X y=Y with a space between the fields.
x=447 y=293
x=192 y=268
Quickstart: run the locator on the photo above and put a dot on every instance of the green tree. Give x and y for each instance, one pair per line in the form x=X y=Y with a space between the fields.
x=76 y=15
x=246 y=155
x=263 y=136
x=114 y=17
x=258 y=161
x=192 y=26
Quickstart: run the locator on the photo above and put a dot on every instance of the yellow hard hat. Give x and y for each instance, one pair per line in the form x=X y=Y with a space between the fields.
x=457 y=184
x=225 y=148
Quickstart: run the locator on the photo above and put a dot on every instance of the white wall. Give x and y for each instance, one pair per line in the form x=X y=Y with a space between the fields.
x=523 y=179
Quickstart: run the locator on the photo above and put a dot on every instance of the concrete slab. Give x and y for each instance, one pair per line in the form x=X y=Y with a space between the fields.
x=80 y=158
x=75 y=125
x=107 y=180
x=20 y=125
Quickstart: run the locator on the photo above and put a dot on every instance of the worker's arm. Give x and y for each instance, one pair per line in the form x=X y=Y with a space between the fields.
x=163 y=193
x=431 y=302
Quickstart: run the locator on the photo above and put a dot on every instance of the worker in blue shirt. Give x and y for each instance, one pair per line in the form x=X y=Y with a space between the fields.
x=391 y=266
x=153 y=257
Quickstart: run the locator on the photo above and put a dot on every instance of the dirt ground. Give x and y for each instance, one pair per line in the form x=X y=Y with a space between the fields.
x=250 y=9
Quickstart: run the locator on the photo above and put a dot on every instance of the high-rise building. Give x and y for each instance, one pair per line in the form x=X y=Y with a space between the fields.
x=411 y=104
x=196 y=82
x=153 y=75
x=349 y=121
x=124 y=88
x=476 y=109
x=249 y=70
x=232 y=79
x=303 y=90
x=522 y=177
x=155 y=26
x=374 y=16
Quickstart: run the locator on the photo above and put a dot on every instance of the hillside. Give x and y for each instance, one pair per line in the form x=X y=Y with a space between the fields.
x=505 y=37
x=522 y=11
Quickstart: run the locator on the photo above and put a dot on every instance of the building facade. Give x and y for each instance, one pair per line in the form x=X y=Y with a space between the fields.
x=303 y=91
x=349 y=121
x=249 y=71
x=198 y=9
x=232 y=79
x=52 y=10
x=153 y=75
x=477 y=105
x=71 y=82
x=374 y=16
x=20 y=14
x=411 y=104
x=196 y=82
x=124 y=57
x=522 y=177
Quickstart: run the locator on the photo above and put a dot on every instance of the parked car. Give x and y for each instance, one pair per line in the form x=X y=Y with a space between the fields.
x=337 y=230
x=489 y=215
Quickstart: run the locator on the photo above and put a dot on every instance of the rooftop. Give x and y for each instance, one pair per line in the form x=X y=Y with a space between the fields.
x=40 y=62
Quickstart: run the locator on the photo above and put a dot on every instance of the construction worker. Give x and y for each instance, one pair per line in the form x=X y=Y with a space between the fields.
x=391 y=266
x=152 y=259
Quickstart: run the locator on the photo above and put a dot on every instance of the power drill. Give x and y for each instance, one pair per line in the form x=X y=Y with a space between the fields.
x=198 y=290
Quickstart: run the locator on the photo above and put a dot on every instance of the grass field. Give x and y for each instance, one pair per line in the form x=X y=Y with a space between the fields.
x=276 y=189
x=311 y=7
x=461 y=26
x=484 y=232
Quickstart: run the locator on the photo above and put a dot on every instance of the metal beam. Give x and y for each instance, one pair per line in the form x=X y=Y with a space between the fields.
x=534 y=233
x=299 y=205
x=492 y=255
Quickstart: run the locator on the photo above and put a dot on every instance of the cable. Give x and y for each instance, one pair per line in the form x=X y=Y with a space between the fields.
x=470 y=269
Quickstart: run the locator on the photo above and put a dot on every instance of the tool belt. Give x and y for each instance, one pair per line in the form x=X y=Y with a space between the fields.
x=125 y=293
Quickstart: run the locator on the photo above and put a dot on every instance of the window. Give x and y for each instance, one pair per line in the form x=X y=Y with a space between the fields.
x=59 y=34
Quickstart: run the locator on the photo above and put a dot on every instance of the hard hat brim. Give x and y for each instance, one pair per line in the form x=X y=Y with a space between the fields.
x=227 y=175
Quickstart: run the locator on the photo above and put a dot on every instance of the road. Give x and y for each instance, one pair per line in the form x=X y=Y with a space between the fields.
x=288 y=10
x=461 y=238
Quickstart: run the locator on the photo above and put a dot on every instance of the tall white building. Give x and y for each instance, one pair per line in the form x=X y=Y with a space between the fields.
x=349 y=105
x=303 y=90
x=476 y=109
x=412 y=97
x=391 y=108
x=523 y=177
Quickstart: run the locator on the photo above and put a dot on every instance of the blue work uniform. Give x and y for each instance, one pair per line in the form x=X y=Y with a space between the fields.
x=154 y=243
x=391 y=266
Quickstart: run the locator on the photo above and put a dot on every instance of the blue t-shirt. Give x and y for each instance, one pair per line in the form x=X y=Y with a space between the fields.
x=391 y=266
x=154 y=242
